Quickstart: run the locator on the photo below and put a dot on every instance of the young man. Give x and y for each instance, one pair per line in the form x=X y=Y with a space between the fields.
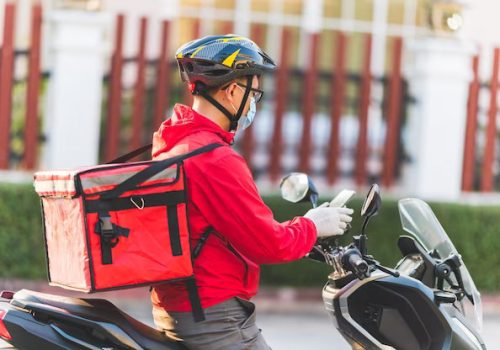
x=223 y=74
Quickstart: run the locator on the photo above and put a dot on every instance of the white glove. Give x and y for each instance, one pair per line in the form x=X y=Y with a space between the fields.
x=330 y=221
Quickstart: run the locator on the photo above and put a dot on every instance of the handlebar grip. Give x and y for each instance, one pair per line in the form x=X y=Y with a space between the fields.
x=354 y=262
x=359 y=266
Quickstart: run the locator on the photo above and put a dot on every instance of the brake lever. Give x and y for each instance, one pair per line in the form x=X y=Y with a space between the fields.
x=380 y=267
x=386 y=270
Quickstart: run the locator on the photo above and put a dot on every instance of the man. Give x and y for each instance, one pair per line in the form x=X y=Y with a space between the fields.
x=223 y=201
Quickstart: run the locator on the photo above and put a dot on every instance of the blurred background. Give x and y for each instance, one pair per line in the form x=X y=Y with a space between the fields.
x=398 y=92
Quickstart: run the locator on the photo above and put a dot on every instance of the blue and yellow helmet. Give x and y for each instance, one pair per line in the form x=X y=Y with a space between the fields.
x=215 y=60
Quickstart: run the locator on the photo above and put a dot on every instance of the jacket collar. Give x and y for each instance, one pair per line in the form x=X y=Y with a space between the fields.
x=186 y=121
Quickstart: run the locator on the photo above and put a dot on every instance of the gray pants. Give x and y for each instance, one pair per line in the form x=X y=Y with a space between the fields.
x=228 y=325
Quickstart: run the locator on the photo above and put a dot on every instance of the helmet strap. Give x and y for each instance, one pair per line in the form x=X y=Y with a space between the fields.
x=232 y=118
x=248 y=88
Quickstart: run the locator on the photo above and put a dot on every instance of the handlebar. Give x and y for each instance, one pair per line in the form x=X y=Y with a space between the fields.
x=354 y=262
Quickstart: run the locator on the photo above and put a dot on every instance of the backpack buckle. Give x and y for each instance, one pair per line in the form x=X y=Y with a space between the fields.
x=109 y=234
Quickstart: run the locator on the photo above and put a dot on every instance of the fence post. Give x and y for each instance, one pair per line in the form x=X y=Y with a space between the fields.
x=163 y=85
x=392 y=136
x=79 y=50
x=139 y=90
x=281 y=90
x=491 y=130
x=228 y=28
x=6 y=76
x=439 y=82
x=257 y=35
x=33 y=93
x=312 y=24
x=364 y=108
x=188 y=97
x=112 y=142
x=337 y=95
x=470 y=130
x=308 y=104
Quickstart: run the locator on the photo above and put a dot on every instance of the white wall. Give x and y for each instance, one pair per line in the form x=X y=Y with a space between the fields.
x=481 y=25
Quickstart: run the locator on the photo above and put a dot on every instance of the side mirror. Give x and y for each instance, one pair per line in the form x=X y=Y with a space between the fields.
x=372 y=202
x=298 y=187
x=370 y=208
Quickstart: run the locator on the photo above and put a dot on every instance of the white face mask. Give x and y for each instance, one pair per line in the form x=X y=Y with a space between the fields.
x=246 y=120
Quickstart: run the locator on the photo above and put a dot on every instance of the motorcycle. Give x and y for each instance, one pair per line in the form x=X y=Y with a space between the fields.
x=429 y=301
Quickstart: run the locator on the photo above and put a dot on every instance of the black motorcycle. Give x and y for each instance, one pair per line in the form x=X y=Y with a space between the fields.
x=428 y=302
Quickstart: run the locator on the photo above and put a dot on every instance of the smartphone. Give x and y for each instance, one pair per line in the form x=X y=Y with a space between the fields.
x=342 y=198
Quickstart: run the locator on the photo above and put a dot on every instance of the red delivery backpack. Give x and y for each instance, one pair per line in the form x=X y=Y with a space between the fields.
x=119 y=225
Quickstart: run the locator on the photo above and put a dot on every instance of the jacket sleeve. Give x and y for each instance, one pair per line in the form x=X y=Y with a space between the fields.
x=228 y=198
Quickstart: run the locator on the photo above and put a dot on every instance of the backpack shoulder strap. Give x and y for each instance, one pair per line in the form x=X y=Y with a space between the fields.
x=130 y=155
x=194 y=299
x=153 y=169
x=192 y=289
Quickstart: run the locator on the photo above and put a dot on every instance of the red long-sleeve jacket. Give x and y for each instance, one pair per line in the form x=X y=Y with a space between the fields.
x=223 y=195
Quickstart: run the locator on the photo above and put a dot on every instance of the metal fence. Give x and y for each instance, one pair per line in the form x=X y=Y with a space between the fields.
x=481 y=170
x=298 y=98
x=14 y=128
x=317 y=118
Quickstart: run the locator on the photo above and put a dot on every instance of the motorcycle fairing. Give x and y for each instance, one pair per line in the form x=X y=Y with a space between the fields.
x=385 y=312
x=381 y=313
x=87 y=320
x=336 y=302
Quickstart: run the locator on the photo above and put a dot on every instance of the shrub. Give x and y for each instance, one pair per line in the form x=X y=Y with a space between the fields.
x=473 y=230
x=22 y=253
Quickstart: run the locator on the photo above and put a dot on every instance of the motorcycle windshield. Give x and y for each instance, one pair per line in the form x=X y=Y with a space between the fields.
x=419 y=220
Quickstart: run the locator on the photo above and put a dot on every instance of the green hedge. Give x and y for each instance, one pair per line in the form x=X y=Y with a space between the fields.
x=21 y=242
x=473 y=229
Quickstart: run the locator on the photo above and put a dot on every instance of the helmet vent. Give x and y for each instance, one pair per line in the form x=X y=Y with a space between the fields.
x=217 y=72
x=204 y=63
x=241 y=65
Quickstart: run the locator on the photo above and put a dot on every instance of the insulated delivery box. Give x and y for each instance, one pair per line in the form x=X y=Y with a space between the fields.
x=118 y=225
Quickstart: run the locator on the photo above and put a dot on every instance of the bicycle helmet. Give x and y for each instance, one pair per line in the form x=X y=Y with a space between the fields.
x=215 y=60
x=218 y=59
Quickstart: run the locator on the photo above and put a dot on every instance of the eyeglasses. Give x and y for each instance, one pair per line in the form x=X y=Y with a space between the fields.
x=257 y=93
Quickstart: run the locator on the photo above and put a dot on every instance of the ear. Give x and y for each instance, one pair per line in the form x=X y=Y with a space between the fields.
x=230 y=91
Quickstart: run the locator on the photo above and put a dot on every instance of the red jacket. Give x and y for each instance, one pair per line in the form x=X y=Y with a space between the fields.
x=222 y=194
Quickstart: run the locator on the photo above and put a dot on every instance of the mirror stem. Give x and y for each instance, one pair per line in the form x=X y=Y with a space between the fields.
x=314 y=199
x=365 y=223
x=362 y=244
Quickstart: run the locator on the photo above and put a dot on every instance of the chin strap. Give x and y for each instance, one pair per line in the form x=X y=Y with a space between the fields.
x=200 y=90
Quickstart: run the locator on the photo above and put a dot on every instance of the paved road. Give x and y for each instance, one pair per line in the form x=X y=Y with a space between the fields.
x=306 y=325
x=294 y=332
x=303 y=326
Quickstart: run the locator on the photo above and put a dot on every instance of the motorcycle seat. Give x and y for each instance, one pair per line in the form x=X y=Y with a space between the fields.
x=98 y=310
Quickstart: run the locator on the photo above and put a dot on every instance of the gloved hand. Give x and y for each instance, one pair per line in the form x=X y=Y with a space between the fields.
x=330 y=221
